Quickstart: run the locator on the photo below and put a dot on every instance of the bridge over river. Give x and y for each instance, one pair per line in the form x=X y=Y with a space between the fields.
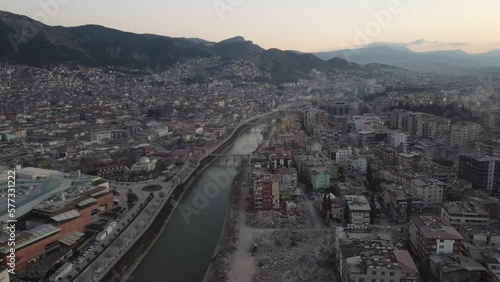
x=186 y=245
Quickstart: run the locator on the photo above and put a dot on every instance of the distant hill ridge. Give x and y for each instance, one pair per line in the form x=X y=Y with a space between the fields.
x=26 y=41
x=403 y=57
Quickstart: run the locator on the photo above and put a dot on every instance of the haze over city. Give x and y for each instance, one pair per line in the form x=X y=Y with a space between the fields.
x=306 y=26
x=249 y=141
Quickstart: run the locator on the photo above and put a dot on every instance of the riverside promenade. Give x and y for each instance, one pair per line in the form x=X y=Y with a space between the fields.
x=139 y=219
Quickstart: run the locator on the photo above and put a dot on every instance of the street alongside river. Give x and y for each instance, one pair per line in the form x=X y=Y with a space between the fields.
x=186 y=245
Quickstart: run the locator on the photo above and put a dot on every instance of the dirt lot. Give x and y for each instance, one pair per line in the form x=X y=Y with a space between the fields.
x=291 y=255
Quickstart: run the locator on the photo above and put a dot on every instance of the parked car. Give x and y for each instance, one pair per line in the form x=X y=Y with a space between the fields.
x=85 y=253
x=99 y=269
x=80 y=260
x=91 y=248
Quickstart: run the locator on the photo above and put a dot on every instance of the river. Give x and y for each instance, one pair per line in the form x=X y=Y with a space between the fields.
x=183 y=250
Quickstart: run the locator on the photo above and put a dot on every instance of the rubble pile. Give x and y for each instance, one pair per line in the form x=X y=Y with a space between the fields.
x=301 y=218
x=287 y=255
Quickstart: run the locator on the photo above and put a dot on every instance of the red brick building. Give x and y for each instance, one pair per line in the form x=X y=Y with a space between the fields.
x=46 y=225
x=430 y=236
x=267 y=192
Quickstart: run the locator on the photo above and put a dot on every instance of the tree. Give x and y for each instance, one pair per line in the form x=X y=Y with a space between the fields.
x=373 y=210
x=365 y=110
x=369 y=173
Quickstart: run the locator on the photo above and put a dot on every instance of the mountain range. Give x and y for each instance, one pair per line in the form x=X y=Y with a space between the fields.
x=26 y=41
x=401 y=56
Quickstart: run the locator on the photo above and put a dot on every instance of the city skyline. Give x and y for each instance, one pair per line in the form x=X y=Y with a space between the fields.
x=288 y=25
x=146 y=140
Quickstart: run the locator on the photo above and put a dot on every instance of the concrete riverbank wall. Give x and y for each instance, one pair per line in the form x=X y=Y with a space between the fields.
x=137 y=252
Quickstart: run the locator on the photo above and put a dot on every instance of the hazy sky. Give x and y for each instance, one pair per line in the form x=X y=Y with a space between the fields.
x=304 y=25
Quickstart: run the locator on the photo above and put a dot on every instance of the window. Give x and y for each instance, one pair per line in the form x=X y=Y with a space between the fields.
x=361 y=280
x=374 y=272
x=382 y=273
x=391 y=273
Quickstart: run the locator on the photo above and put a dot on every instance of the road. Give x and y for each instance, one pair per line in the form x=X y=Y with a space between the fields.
x=114 y=250
x=315 y=219
x=243 y=265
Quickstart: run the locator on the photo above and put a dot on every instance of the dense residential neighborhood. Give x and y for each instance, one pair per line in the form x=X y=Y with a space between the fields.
x=242 y=164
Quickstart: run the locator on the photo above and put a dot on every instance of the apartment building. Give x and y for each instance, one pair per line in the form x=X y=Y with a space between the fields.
x=431 y=190
x=369 y=260
x=320 y=179
x=436 y=127
x=343 y=156
x=266 y=190
x=429 y=236
x=482 y=171
x=464 y=213
x=288 y=182
x=401 y=204
x=397 y=119
x=463 y=133
x=366 y=138
x=443 y=173
x=315 y=116
x=359 y=209
x=407 y=160
x=100 y=136
x=339 y=108
x=399 y=140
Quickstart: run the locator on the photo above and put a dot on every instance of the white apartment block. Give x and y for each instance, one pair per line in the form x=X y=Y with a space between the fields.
x=400 y=140
x=101 y=136
x=343 y=156
x=431 y=190
x=458 y=213
x=358 y=165
x=463 y=133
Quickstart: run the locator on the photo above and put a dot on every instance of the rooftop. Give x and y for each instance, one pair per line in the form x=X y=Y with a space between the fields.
x=34 y=171
x=448 y=263
x=483 y=158
x=405 y=261
x=362 y=255
x=71 y=197
x=357 y=202
x=425 y=181
x=433 y=228
x=459 y=207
